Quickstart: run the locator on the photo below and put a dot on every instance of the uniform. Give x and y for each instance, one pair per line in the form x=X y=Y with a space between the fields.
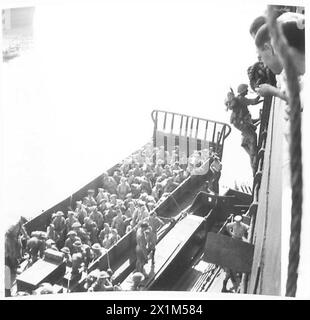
x=238 y=230
x=141 y=250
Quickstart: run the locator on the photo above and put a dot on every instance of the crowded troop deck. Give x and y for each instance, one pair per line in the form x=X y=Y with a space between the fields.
x=92 y=230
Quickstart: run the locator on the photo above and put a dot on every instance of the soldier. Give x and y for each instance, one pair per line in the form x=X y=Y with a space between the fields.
x=81 y=232
x=137 y=279
x=123 y=188
x=241 y=119
x=114 y=237
x=101 y=195
x=70 y=220
x=97 y=217
x=237 y=229
x=113 y=199
x=235 y=278
x=110 y=213
x=80 y=212
x=102 y=205
x=88 y=224
x=77 y=262
x=109 y=183
x=117 y=175
x=102 y=283
x=155 y=224
x=216 y=168
x=170 y=185
x=141 y=248
x=93 y=234
x=91 y=278
x=118 y=223
x=44 y=288
x=60 y=225
x=51 y=233
x=105 y=230
x=33 y=247
x=77 y=247
x=67 y=257
x=89 y=199
x=151 y=239
x=106 y=242
x=72 y=237
x=98 y=251
x=131 y=208
x=158 y=191
x=50 y=244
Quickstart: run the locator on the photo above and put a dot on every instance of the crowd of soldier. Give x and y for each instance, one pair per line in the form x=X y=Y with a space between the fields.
x=124 y=202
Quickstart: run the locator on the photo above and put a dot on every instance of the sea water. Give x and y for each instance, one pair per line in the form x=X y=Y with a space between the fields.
x=79 y=100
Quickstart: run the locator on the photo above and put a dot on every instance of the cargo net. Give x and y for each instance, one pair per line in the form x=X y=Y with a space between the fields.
x=102 y=217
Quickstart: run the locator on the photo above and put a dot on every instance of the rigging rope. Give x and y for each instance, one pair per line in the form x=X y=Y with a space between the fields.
x=295 y=150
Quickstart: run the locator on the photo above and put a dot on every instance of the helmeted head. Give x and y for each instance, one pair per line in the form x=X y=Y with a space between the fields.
x=77 y=244
x=104 y=275
x=71 y=213
x=137 y=278
x=242 y=89
x=76 y=225
x=144 y=225
x=65 y=250
x=42 y=235
x=238 y=219
x=96 y=247
x=45 y=288
x=58 y=214
x=90 y=191
x=72 y=234
x=50 y=243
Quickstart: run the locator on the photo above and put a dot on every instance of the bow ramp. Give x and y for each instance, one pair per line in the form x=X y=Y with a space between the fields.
x=183 y=134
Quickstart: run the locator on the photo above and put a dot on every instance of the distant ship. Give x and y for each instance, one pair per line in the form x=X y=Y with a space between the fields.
x=10 y=53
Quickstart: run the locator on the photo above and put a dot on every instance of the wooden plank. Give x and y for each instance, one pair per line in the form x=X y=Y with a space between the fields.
x=230 y=253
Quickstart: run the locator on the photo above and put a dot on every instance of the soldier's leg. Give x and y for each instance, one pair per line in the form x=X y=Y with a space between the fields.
x=253 y=148
x=227 y=277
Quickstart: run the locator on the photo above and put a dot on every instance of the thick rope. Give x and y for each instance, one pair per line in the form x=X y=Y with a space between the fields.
x=295 y=151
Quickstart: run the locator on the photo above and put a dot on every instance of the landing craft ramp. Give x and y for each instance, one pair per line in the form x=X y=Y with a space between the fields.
x=184 y=134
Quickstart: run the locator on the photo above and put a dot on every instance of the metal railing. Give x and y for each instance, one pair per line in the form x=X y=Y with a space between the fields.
x=183 y=134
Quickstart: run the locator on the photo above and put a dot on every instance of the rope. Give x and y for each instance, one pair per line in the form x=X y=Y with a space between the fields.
x=295 y=151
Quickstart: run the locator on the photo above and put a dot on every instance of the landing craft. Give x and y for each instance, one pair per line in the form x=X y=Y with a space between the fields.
x=193 y=246
x=171 y=131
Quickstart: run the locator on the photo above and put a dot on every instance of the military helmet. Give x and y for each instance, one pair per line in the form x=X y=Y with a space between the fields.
x=242 y=88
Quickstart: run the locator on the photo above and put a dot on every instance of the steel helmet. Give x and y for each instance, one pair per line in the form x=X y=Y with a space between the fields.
x=242 y=88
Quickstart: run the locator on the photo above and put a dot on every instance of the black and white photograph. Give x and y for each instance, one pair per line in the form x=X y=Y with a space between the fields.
x=154 y=149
